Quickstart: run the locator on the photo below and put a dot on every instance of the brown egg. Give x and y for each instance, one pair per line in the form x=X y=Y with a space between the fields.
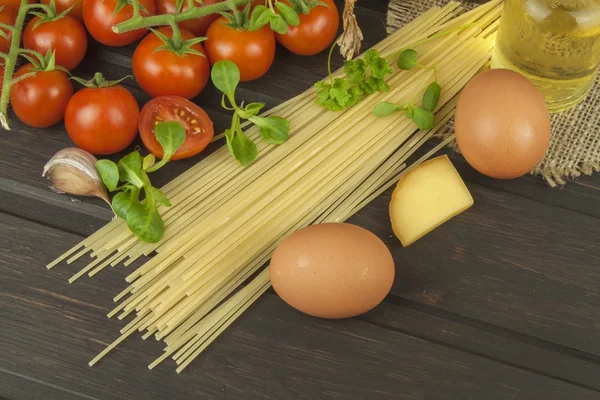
x=502 y=124
x=332 y=270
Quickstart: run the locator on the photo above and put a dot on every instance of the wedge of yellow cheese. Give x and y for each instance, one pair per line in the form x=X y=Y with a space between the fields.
x=426 y=197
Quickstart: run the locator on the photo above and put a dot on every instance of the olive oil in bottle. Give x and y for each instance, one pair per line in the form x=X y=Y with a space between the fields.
x=554 y=43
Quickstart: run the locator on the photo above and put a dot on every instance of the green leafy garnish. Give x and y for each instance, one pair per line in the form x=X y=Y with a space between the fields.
x=275 y=130
x=143 y=219
x=280 y=15
x=431 y=96
x=385 y=109
x=363 y=77
x=407 y=59
x=422 y=116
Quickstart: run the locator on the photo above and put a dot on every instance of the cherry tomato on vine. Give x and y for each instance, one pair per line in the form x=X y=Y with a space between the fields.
x=198 y=125
x=253 y=52
x=62 y=5
x=197 y=26
x=178 y=72
x=8 y=16
x=65 y=35
x=99 y=18
x=103 y=119
x=316 y=32
x=40 y=101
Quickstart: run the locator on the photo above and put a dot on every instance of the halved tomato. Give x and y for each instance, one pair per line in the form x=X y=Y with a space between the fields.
x=198 y=125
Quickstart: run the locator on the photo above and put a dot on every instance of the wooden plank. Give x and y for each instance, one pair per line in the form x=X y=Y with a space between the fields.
x=508 y=261
x=18 y=387
x=486 y=340
x=52 y=209
x=49 y=330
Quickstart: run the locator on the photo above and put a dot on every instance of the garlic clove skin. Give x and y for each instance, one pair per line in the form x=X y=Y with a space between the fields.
x=73 y=171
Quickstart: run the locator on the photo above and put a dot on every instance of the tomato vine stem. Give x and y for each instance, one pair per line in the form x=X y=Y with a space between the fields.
x=11 y=62
x=137 y=21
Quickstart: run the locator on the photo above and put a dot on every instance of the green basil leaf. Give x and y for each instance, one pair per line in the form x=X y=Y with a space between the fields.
x=423 y=118
x=243 y=149
x=278 y=24
x=171 y=136
x=148 y=162
x=407 y=60
x=259 y=18
x=225 y=76
x=273 y=129
x=145 y=222
x=288 y=13
x=158 y=195
x=431 y=97
x=385 y=109
x=130 y=169
x=109 y=172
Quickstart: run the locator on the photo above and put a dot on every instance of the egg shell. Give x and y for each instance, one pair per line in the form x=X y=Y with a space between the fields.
x=335 y=270
x=502 y=124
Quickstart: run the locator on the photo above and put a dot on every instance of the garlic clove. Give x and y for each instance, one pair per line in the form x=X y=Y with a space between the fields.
x=73 y=171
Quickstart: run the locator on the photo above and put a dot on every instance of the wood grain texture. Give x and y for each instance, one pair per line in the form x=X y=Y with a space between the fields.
x=49 y=330
x=500 y=302
x=508 y=261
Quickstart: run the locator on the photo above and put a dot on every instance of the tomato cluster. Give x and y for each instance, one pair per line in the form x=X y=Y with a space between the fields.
x=171 y=67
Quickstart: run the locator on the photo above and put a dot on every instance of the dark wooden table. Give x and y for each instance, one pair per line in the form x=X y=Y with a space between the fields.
x=500 y=303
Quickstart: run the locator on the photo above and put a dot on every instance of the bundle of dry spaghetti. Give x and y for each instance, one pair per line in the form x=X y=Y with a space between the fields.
x=226 y=220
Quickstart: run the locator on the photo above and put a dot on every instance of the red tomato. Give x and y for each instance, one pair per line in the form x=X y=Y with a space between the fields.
x=8 y=16
x=316 y=32
x=197 y=26
x=102 y=120
x=163 y=72
x=15 y=3
x=62 y=5
x=252 y=52
x=198 y=125
x=40 y=101
x=99 y=17
x=65 y=35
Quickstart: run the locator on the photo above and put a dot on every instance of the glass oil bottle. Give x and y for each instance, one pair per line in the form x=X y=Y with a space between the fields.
x=555 y=43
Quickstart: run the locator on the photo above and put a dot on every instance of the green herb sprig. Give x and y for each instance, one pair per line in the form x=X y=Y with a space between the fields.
x=132 y=171
x=422 y=115
x=280 y=15
x=364 y=76
x=368 y=75
x=225 y=76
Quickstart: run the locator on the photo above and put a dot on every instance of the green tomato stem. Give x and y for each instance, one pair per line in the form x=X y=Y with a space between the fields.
x=329 y=60
x=176 y=37
x=7 y=27
x=34 y=53
x=25 y=76
x=10 y=62
x=47 y=9
x=138 y=22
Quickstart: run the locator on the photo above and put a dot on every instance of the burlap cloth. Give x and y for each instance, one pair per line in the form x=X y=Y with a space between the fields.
x=575 y=144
